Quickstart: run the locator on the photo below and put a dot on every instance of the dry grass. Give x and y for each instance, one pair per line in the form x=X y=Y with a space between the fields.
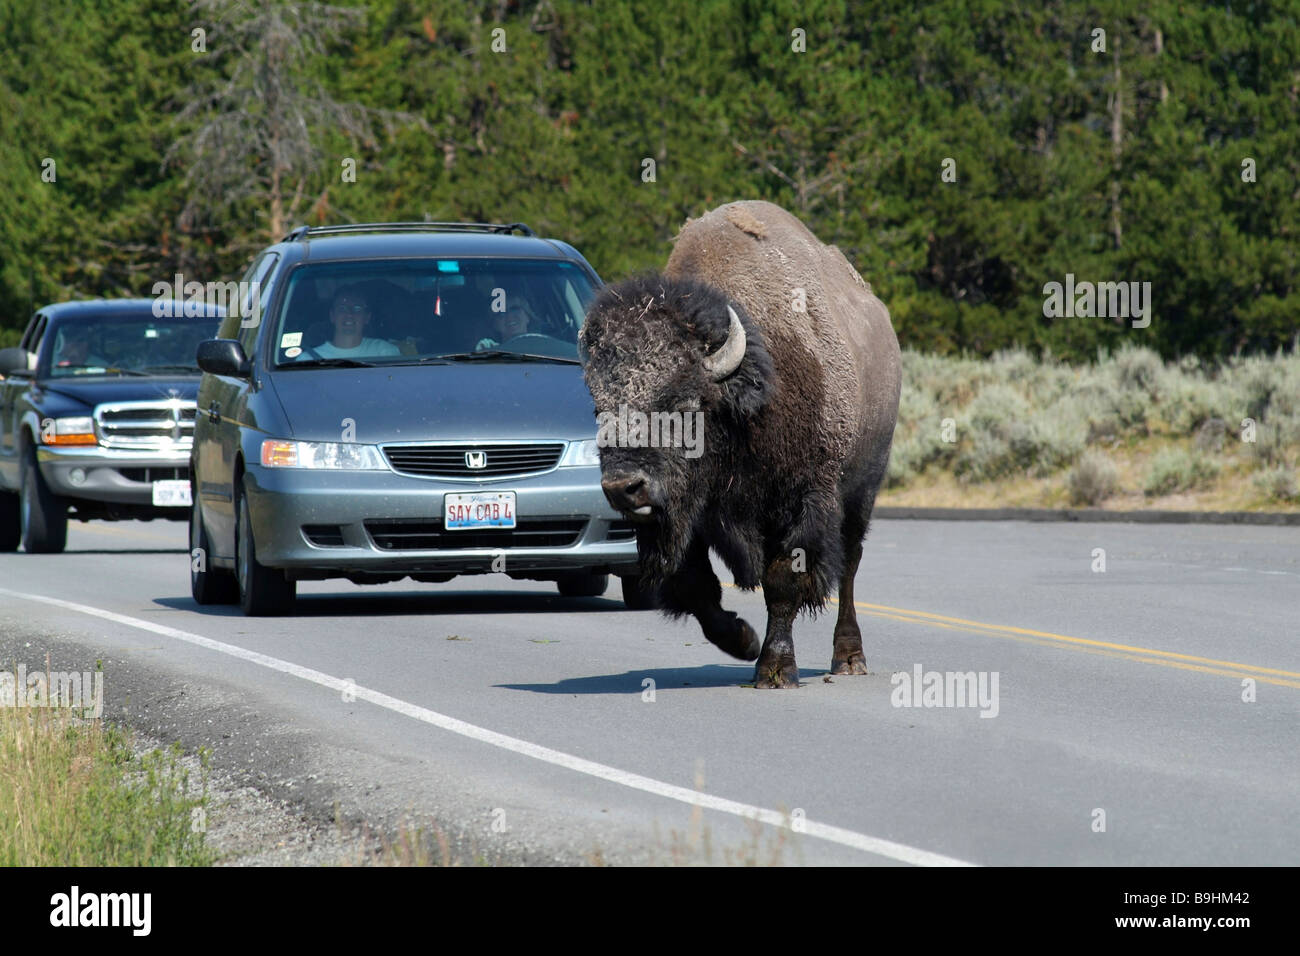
x=73 y=793
x=1015 y=431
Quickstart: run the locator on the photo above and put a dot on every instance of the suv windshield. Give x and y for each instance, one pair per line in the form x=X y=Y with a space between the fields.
x=127 y=343
x=341 y=314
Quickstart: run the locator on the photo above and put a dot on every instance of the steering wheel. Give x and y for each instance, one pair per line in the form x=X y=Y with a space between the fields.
x=539 y=343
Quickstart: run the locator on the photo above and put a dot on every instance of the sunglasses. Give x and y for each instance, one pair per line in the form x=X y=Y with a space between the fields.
x=356 y=309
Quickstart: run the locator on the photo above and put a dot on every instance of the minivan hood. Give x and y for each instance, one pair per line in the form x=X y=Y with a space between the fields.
x=472 y=401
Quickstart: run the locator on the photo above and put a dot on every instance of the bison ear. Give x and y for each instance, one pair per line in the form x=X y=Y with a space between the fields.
x=748 y=387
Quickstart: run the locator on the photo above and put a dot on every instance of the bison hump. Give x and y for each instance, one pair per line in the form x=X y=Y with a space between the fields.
x=746 y=221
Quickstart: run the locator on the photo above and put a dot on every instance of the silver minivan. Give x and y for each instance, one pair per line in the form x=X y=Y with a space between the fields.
x=403 y=400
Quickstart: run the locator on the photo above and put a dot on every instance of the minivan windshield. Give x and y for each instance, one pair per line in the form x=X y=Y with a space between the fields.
x=345 y=314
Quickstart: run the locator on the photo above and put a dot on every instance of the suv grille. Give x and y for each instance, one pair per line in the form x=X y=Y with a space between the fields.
x=453 y=461
x=153 y=474
x=428 y=534
x=151 y=425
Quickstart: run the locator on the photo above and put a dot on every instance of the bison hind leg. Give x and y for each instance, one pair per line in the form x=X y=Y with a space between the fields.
x=846 y=656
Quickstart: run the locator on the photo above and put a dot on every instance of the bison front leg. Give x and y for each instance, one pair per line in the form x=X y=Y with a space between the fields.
x=782 y=590
x=695 y=590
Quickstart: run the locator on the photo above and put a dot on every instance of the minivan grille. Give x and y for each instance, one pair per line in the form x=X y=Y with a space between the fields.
x=621 y=531
x=153 y=425
x=454 y=461
x=428 y=534
x=324 y=535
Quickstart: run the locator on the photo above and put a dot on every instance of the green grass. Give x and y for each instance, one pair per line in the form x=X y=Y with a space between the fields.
x=73 y=793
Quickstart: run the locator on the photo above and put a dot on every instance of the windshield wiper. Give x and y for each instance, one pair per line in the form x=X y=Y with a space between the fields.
x=505 y=355
x=427 y=360
x=327 y=363
x=169 y=368
x=99 y=370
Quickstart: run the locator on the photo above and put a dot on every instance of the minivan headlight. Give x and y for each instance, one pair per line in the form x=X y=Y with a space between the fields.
x=581 y=453
x=348 y=456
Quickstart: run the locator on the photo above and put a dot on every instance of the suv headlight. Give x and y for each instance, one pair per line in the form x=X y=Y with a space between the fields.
x=581 y=453
x=78 y=430
x=349 y=456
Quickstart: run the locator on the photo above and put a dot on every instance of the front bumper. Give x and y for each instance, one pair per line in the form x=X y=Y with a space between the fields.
x=382 y=522
x=115 y=475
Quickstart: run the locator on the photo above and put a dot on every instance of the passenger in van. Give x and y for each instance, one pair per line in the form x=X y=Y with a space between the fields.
x=350 y=314
x=515 y=321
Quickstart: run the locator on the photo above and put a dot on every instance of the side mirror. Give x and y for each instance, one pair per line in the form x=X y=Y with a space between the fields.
x=223 y=357
x=13 y=360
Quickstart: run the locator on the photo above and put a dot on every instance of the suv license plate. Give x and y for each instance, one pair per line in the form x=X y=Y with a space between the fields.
x=172 y=494
x=484 y=509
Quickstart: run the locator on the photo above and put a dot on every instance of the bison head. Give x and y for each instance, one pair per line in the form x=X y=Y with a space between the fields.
x=677 y=372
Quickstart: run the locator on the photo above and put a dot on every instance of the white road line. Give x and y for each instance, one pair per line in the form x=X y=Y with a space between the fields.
x=849 y=838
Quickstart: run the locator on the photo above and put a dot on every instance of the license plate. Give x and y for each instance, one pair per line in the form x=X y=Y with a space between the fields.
x=172 y=494
x=483 y=509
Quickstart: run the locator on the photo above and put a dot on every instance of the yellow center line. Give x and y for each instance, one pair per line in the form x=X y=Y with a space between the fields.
x=1140 y=657
x=1130 y=652
x=158 y=536
x=931 y=618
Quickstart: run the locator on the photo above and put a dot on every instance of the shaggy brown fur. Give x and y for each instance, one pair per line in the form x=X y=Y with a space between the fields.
x=796 y=439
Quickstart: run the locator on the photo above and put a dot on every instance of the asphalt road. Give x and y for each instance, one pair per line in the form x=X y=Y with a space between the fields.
x=1118 y=733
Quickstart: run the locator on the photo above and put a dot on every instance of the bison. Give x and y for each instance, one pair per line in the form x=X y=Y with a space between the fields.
x=791 y=364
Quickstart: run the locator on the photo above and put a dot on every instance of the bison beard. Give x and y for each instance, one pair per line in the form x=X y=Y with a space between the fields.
x=798 y=409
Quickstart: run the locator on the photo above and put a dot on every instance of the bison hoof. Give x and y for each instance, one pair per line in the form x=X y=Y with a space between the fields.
x=738 y=639
x=779 y=674
x=853 y=664
x=749 y=642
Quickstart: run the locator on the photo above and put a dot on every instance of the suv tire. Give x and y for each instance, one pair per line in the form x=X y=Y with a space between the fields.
x=42 y=515
x=11 y=531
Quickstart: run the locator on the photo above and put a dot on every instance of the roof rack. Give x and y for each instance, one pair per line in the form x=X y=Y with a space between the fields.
x=304 y=232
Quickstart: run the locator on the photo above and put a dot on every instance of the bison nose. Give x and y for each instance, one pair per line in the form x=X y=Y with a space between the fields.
x=627 y=493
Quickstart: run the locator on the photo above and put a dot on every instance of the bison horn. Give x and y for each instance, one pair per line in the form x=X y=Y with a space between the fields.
x=727 y=358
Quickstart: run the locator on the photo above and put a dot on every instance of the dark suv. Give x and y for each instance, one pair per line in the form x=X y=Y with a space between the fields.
x=408 y=402
x=96 y=416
